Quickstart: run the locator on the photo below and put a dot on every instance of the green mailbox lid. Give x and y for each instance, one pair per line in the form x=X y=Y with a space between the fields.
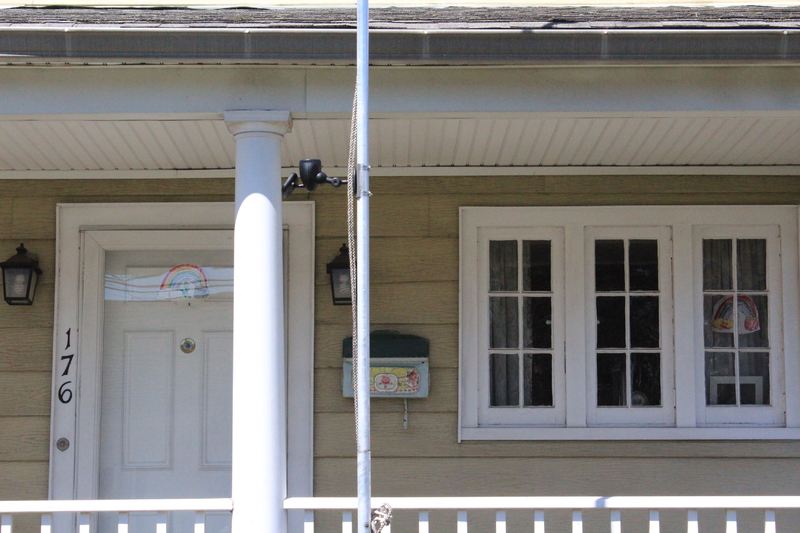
x=391 y=344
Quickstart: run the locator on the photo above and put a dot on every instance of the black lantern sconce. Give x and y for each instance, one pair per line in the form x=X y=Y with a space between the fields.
x=339 y=270
x=20 y=276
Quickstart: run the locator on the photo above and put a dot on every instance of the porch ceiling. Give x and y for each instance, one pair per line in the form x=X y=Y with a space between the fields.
x=505 y=140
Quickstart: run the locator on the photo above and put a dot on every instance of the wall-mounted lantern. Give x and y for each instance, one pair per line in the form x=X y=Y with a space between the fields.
x=339 y=270
x=20 y=276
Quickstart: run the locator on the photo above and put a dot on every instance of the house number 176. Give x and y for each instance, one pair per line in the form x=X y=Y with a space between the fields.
x=64 y=392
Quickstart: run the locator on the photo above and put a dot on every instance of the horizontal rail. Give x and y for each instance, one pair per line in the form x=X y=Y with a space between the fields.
x=93 y=506
x=554 y=502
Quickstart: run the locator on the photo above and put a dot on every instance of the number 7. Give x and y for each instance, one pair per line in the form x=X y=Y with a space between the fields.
x=66 y=370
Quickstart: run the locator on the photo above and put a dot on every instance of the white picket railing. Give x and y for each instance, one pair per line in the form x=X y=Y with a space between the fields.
x=539 y=505
x=86 y=508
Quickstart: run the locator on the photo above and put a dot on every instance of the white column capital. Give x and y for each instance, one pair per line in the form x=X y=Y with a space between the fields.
x=258 y=121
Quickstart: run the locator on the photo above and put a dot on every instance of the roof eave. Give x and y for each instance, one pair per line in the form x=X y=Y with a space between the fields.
x=125 y=45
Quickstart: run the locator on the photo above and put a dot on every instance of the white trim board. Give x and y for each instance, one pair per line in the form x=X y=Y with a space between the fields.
x=412 y=172
x=84 y=233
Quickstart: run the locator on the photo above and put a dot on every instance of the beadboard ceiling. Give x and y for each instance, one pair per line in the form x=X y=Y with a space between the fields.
x=445 y=141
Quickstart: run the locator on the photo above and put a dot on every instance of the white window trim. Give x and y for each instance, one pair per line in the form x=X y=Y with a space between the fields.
x=683 y=221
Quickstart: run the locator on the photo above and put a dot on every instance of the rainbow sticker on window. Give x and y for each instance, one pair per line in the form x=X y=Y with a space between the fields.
x=723 y=320
x=182 y=282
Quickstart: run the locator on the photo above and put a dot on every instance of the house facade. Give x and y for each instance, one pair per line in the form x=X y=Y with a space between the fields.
x=592 y=217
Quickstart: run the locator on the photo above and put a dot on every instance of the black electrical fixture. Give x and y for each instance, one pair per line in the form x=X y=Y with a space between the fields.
x=309 y=177
x=20 y=276
x=339 y=270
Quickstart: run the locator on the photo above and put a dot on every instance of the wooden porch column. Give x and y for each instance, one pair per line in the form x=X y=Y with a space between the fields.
x=259 y=392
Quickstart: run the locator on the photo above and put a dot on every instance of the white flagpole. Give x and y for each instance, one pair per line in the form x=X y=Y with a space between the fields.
x=364 y=454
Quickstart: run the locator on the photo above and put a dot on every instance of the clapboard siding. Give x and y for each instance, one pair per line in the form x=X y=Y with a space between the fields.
x=26 y=349
x=23 y=480
x=391 y=215
x=401 y=303
x=398 y=259
x=6 y=205
x=414 y=256
x=562 y=476
x=24 y=438
x=25 y=393
x=427 y=457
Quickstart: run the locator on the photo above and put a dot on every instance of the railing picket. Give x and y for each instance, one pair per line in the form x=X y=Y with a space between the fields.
x=347 y=521
x=500 y=522
x=462 y=522
x=616 y=522
x=692 y=524
x=577 y=522
x=769 y=521
x=6 y=523
x=655 y=522
x=84 y=523
x=308 y=521
x=730 y=521
x=122 y=522
x=47 y=523
x=199 y=522
x=538 y=522
x=161 y=522
x=424 y=524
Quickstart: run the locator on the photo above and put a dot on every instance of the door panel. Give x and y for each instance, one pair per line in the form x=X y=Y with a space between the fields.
x=165 y=429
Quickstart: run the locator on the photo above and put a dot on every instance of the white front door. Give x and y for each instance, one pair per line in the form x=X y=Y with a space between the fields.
x=165 y=428
x=133 y=414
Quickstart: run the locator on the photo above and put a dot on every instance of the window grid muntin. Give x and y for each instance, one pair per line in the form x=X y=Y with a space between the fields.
x=628 y=350
x=521 y=351
x=734 y=292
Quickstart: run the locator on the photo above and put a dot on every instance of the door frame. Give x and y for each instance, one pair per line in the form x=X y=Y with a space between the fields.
x=84 y=233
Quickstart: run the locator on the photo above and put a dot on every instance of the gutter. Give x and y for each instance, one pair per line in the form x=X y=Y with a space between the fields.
x=93 y=44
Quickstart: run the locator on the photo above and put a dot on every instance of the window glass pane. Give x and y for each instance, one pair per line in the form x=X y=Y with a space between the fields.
x=717 y=265
x=536 y=271
x=611 y=379
x=751 y=264
x=753 y=321
x=538 y=379
x=503 y=266
x=504 y=322
x=718 y=317
x=643 y=268
x=537 y=323
x=754 y=378
x=609 y=266
x=611 y=322
x=644 y=322
x=645 y=379
x=720 y=378
x=504 y=379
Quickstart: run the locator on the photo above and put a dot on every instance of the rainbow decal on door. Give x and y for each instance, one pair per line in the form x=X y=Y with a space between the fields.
x=184 y=281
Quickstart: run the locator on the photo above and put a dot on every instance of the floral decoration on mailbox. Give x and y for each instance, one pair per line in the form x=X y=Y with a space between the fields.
x=398 y=365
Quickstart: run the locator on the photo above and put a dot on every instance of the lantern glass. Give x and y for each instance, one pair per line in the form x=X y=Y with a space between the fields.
x=339 y=270
x=340 y=284
x=20 y=277
x=17 y=281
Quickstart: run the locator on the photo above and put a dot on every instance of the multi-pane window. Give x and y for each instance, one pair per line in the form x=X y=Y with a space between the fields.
x=736 y=321
x=629 y=355
x=520 y=309
x=658 y=322
x=628 y=332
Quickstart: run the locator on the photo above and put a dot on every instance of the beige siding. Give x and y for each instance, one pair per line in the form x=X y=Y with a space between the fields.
x=28 y=214
x=415 y=290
